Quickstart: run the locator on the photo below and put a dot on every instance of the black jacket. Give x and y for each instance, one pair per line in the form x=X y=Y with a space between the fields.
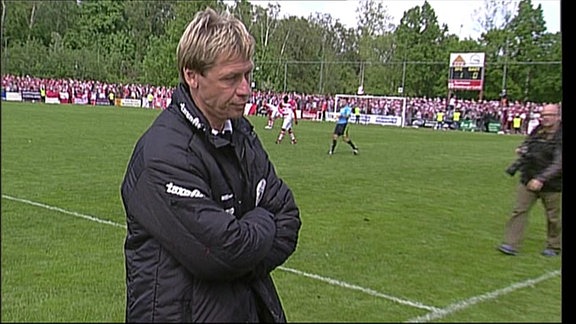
x=208 y=220
x=543 y=159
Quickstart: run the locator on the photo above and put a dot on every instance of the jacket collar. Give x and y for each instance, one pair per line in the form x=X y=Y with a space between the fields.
x=227 y=128
x=182 y=102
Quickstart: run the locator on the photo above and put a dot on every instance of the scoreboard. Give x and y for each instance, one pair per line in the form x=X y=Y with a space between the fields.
x=466 y=71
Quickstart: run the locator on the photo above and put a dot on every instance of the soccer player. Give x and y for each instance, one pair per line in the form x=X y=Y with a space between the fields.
x=289 y=114
x=341 y=128
x=273 y=113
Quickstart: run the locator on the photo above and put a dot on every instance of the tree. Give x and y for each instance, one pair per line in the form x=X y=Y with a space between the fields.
x=527 y=45
x=493 y=15
x=419 y=40
x=266 y=22
x=160 y=66
x=146 y=19
x=376 y=48
x=133 y=41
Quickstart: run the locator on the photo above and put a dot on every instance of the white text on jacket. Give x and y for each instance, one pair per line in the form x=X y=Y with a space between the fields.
x=171 y=188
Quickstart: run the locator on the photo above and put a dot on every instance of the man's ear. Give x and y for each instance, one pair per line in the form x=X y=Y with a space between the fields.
x=191 y=78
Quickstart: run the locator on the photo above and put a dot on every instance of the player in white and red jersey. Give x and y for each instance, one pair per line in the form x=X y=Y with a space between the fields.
x=273 y=113
x=288 y=112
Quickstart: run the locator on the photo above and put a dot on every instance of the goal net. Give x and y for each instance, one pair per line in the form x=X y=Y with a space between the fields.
x=380 y=110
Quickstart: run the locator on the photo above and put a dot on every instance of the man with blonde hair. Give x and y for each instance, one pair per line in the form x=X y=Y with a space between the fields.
x=208 y=219
x=540 y=165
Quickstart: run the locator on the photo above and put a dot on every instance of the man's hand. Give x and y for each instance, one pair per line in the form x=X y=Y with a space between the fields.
x=534 y=185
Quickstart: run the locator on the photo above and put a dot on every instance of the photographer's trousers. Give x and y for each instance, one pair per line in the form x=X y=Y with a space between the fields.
x=525 y=199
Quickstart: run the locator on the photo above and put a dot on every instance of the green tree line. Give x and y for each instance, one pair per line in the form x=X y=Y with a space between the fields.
x=135 y=42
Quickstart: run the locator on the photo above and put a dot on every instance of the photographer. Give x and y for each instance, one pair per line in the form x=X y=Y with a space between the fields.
x=540 y=165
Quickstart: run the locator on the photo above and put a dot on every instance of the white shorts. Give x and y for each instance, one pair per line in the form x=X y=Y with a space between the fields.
x=287 y=123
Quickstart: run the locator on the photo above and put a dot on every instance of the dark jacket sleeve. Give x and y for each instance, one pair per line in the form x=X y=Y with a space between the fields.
x=207 y=241
x=279 y=200
x=554 y=169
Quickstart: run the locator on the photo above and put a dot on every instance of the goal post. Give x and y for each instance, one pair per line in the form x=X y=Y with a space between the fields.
x=380 y=110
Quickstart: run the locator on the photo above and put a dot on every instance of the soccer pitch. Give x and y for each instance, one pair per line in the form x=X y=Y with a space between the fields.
x=406 y=231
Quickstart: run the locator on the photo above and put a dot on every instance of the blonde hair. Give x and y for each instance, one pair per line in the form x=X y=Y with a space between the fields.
x=210 y=35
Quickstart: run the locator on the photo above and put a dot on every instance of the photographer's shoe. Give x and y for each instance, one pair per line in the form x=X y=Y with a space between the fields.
x=507 y=249
x=550 y=252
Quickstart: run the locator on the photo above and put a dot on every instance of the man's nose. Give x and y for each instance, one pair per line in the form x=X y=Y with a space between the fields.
x=244 y=87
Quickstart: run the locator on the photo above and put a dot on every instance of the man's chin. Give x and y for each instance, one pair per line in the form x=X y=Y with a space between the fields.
x=236 y=112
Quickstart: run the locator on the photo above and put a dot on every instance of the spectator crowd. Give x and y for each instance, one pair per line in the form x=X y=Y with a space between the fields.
x=512 y=117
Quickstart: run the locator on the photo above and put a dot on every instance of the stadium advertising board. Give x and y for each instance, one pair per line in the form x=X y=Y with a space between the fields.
x=13 y=96
x=127 y=102
x=466 y=71
x=371 y=119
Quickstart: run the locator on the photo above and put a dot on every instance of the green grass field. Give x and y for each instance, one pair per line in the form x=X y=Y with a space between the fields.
x=405 y=231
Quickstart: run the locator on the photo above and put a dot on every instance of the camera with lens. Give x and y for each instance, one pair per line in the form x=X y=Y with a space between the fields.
x=514 y=167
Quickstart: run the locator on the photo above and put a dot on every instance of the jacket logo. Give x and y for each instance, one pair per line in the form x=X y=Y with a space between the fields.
x=171 y=188
x=193 y=120
x=260 y=191
x=226 y=197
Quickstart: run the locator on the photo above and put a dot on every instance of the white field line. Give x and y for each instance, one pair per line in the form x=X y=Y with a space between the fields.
x=436 y=313
x=364 y=290
x=88 y=217
x=309 y=275
x=441 y=313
